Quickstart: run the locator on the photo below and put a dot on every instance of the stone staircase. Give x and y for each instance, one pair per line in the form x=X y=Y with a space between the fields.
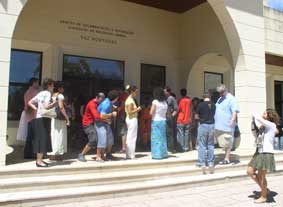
x=30 y=186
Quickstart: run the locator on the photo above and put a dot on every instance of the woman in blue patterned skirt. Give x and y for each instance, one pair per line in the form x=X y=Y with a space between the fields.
x=158 y=126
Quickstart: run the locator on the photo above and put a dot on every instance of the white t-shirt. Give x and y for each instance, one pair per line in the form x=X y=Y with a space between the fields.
x=160 y=110
x=269 y=135
x=41 y=98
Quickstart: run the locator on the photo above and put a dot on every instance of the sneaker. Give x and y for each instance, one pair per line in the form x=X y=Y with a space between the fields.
x=81 y=158
x=224 y=162
x=110 y=157
x=211 y=169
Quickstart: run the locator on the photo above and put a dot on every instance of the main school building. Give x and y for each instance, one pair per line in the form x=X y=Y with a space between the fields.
x=95 y=45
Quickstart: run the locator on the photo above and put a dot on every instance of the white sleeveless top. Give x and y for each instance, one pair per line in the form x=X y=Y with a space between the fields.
x=160 y=111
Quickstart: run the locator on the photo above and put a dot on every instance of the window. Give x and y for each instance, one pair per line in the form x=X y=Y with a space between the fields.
x=23 y=66
x=152 y=76
x=211 y=81
x=84 y=77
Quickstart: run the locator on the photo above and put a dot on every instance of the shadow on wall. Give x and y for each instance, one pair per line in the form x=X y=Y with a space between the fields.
x=4 y=3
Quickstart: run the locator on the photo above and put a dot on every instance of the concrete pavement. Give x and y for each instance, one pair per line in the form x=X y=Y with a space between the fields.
x=239 y=193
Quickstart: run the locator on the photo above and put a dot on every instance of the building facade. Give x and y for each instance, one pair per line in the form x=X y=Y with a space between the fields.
x=92 y=44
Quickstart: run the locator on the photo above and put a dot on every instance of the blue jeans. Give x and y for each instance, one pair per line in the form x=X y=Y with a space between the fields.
x=206 y=142
x=278 y=143
x=183 y=137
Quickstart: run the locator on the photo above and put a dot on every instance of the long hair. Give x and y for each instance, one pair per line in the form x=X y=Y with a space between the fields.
x=159 y=94
x=272 y=116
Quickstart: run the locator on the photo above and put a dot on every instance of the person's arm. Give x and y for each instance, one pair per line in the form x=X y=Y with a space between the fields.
x=63 y=111
x=131 y=110
x=265 y=123
x=235 y=111
x=152 y=109
x=197 y=112
x=32 y=102
x=175 y=107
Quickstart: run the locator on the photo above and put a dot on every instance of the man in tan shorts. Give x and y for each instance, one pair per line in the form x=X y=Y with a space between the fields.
x=225 y=121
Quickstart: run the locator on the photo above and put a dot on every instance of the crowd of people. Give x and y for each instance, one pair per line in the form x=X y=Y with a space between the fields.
x=166 y=125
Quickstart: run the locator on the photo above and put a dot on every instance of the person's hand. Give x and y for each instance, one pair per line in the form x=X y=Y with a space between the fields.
x=232 y=124
x=114 y=113
x=139 y=108
x=68 y=123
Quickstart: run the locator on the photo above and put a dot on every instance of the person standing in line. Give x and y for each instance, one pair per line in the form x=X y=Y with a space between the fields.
x=41 y=125
x=263 y=160
x=103 y=127
x=121 y=119
x=25 y=129
x=59 y=125
x=205 y=115
x=183 y=121
x=131 y=110
x=278 y=142
x=171 y=119
x=194 y=124
x=225 y=121
x=91 y=116
x=158 y=126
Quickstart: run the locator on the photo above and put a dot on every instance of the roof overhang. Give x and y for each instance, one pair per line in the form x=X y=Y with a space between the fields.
x=178 y=6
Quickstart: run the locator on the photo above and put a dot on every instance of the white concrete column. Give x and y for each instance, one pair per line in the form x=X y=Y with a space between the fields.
x=243 y=23
x=9 y=11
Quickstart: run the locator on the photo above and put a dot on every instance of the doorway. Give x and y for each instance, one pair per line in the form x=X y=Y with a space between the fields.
x=278 y=96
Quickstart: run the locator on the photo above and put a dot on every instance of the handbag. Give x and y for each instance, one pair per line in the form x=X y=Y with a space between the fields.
x=49 y=113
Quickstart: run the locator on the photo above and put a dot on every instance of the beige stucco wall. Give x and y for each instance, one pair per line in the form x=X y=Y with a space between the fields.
x=202 y=33
x=273 y=24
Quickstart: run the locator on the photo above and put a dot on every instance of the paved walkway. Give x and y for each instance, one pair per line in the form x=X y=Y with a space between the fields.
x=231 y=194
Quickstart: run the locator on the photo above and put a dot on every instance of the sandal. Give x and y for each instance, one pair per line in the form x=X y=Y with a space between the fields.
x=224 y=162
x=260 y=200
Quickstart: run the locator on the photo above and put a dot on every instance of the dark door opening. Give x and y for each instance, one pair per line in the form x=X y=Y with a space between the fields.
x=278 y=96
x=84 y=77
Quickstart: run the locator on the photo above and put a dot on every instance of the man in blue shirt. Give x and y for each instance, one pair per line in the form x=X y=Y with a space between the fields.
x=104 y=131
x=225 y=121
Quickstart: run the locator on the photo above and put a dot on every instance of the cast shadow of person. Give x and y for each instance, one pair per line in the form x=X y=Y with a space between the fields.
x=270 y=197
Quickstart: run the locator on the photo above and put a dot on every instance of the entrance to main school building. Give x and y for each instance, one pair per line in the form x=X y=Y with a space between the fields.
x=91 y=52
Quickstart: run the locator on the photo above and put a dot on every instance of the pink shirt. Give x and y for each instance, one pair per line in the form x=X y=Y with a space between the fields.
x=29 y=94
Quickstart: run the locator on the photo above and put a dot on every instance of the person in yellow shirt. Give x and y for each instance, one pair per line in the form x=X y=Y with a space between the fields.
x=131 y=110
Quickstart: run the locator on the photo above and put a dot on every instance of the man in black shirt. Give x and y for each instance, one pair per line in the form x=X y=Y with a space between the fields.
x=205 y=114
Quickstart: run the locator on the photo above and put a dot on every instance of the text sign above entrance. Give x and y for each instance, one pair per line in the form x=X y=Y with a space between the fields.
x=96 y=33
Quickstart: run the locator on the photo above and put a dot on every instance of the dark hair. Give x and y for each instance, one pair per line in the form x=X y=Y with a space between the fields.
x=159 y=94
x=113 y=94
x=272 y=116
x=183 y=92
x=58 y=85
x=32 y=81
x=132 y=89
x=168 y=89
x=47 y=82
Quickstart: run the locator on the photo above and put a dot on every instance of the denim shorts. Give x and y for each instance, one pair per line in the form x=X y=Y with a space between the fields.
x=105 y=135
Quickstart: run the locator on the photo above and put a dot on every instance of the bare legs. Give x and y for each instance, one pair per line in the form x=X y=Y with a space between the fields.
x=260 y=179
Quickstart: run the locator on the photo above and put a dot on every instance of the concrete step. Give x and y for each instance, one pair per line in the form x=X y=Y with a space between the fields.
x=107 y=178
x=77 y=194
x=71 y=167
